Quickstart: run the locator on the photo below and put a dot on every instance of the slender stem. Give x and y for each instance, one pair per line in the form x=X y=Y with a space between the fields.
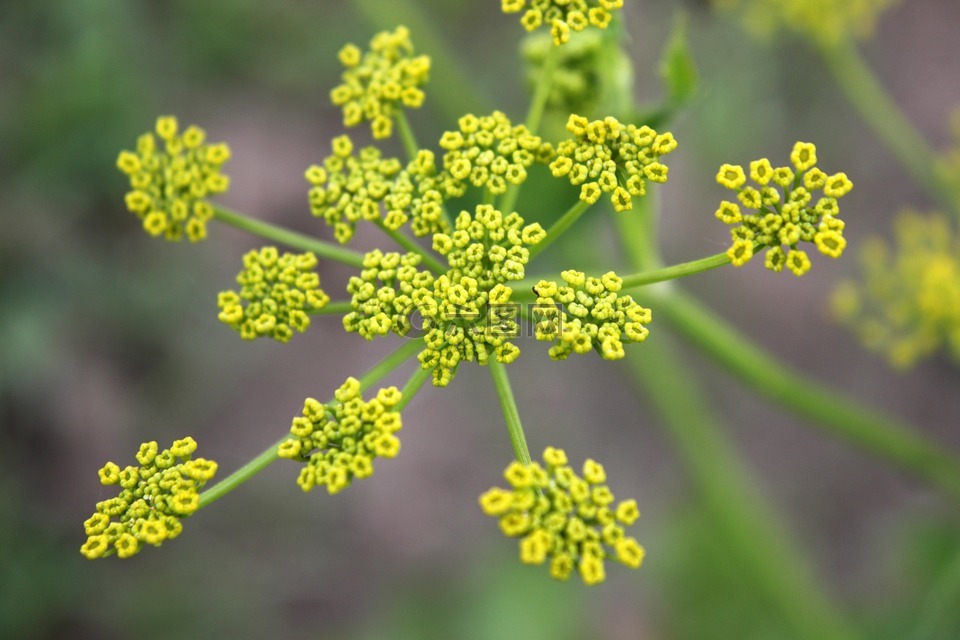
x=510 y=413
x=535 y=114
x=286 y=236
x=406 y=134
x=675 y=271
x=269 y=455
x=865 y=92
x=335 y=309
x=542 y=91
x=413 y=387
x=745 y=522
x=560 y=226
x=832 y=412
x=410 y=245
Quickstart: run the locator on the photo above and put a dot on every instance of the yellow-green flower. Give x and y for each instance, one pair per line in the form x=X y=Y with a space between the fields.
x=588 y=314
x=154 y=497
x=490 y=152
x=277 y=295
x=350 y=187
x=779 y=209
x=907 y=304
x=465 y=314
x=565 y=520
x=378 y=83
x=170 y=186
x=605 y=156
x=340 y=440
x=826 y=22
x=563 y=16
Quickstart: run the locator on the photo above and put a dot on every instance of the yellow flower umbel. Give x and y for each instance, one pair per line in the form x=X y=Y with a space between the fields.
x=826 y=22
x=785 y=210
x=563 y=16
x=588 y=314
x=466 y=312
x=153 y=498
x=560 y=517
x=339 y=441
x=170 y=185
x=277 y=295
x=605 y=156
x=352 y=187
x=908 y=303
x=379 y=83
x=489 y=152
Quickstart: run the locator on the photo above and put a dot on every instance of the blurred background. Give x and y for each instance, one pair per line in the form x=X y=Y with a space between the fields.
x=109 y=338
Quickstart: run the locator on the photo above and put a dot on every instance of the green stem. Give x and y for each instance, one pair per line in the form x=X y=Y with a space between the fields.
x=510 y=413
x=538 y=105
x=269 y=455
x=862 y=88
x=412 y=387
x=745 y=522
x=675 y=271
x=560 y=226
x=938 y=614
x=832 y=412
x=406 y=134
x=335 y=309
x=286 y=236
x=410 y=245
x=542 y=92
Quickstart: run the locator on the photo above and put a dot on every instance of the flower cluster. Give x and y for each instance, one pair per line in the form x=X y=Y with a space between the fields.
x=339 y=441
x=170 y=185
x=593 y=316
x=826 y=22
x=490 y=152
x=908 y=305
x=154 y=497
x=602 y=149
x=352 y=187
x=786 y=218
x=379 y=83
x=563 y=16
x=466 y=312
x=570 y=520
x=277 y=294
x=384 y=295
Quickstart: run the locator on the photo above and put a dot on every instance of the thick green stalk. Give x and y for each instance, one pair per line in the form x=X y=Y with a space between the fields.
x=865 y=92
x=409 y=244
x=290 y=238
x=560 y=226
x=745 y=523
x=269 y=455
x=510 y=412
x=939 y=612
x=832 y=412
